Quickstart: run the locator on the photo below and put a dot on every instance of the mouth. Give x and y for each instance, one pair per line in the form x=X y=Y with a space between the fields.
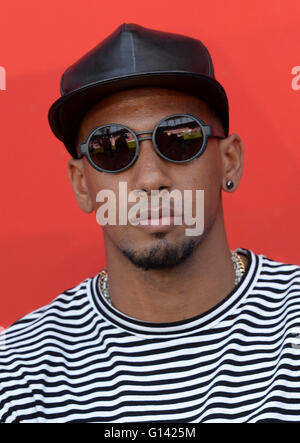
x=162 y=218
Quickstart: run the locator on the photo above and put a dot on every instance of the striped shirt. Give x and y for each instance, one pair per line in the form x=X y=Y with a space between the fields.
x=79 y=359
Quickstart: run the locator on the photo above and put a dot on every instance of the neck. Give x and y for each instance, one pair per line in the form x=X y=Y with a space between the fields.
x=182 y=292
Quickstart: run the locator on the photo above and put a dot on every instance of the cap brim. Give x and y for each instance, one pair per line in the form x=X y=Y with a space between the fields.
x=67 y=112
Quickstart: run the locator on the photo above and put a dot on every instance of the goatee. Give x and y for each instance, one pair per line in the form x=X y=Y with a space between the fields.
x=163 y=255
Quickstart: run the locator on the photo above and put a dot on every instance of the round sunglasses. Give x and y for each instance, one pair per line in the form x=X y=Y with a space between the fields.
x=177 y=138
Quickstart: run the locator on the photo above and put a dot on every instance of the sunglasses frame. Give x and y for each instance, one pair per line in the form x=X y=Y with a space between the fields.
x=207 y=130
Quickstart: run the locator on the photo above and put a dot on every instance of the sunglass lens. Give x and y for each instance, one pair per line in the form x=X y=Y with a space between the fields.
x=179 y=138
x=112 y=147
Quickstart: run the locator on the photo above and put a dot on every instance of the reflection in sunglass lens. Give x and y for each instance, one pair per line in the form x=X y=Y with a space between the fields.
x=179 y=138
x=112 y=147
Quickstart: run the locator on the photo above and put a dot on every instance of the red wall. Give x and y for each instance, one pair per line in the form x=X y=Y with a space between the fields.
x=47 y=243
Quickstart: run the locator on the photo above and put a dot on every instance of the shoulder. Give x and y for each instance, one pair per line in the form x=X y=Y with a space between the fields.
x=275 y=291
x=270 y=269
x=273 y=281
x=279 y=272
x=28 y=329
x=38 y=342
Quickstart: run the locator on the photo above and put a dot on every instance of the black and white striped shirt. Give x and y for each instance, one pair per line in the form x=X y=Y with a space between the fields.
x=78 y=359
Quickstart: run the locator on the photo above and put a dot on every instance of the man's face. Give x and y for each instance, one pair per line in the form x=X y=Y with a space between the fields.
x=140 y=109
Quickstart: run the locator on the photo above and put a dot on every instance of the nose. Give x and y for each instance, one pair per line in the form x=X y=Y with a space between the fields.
x=150 y=171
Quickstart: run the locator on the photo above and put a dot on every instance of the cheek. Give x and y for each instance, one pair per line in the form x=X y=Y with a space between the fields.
x=206 y=177
x=98 y=181
x=211 y=169
x=213 y=189
x=105 y=188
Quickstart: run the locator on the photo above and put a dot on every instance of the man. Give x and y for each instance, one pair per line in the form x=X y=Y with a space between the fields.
x=178 y=328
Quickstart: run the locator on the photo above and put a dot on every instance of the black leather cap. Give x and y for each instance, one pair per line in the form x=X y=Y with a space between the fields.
x=134 y=56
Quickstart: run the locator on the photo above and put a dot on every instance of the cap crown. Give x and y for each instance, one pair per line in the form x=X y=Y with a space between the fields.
x=133 y=49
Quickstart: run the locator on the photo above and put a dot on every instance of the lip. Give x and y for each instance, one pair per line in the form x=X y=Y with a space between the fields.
x=157 y=213
x=158 y=224
x=156 y=221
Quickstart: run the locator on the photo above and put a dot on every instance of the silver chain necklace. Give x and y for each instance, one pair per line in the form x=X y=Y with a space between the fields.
x=238 y=265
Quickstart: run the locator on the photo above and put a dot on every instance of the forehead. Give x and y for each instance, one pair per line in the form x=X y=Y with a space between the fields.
x=142 y=107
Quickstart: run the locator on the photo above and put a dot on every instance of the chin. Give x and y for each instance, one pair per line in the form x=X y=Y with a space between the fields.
x=161 y=255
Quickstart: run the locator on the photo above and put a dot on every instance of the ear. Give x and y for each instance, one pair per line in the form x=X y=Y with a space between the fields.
x=232 y=155
x=79 y=183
